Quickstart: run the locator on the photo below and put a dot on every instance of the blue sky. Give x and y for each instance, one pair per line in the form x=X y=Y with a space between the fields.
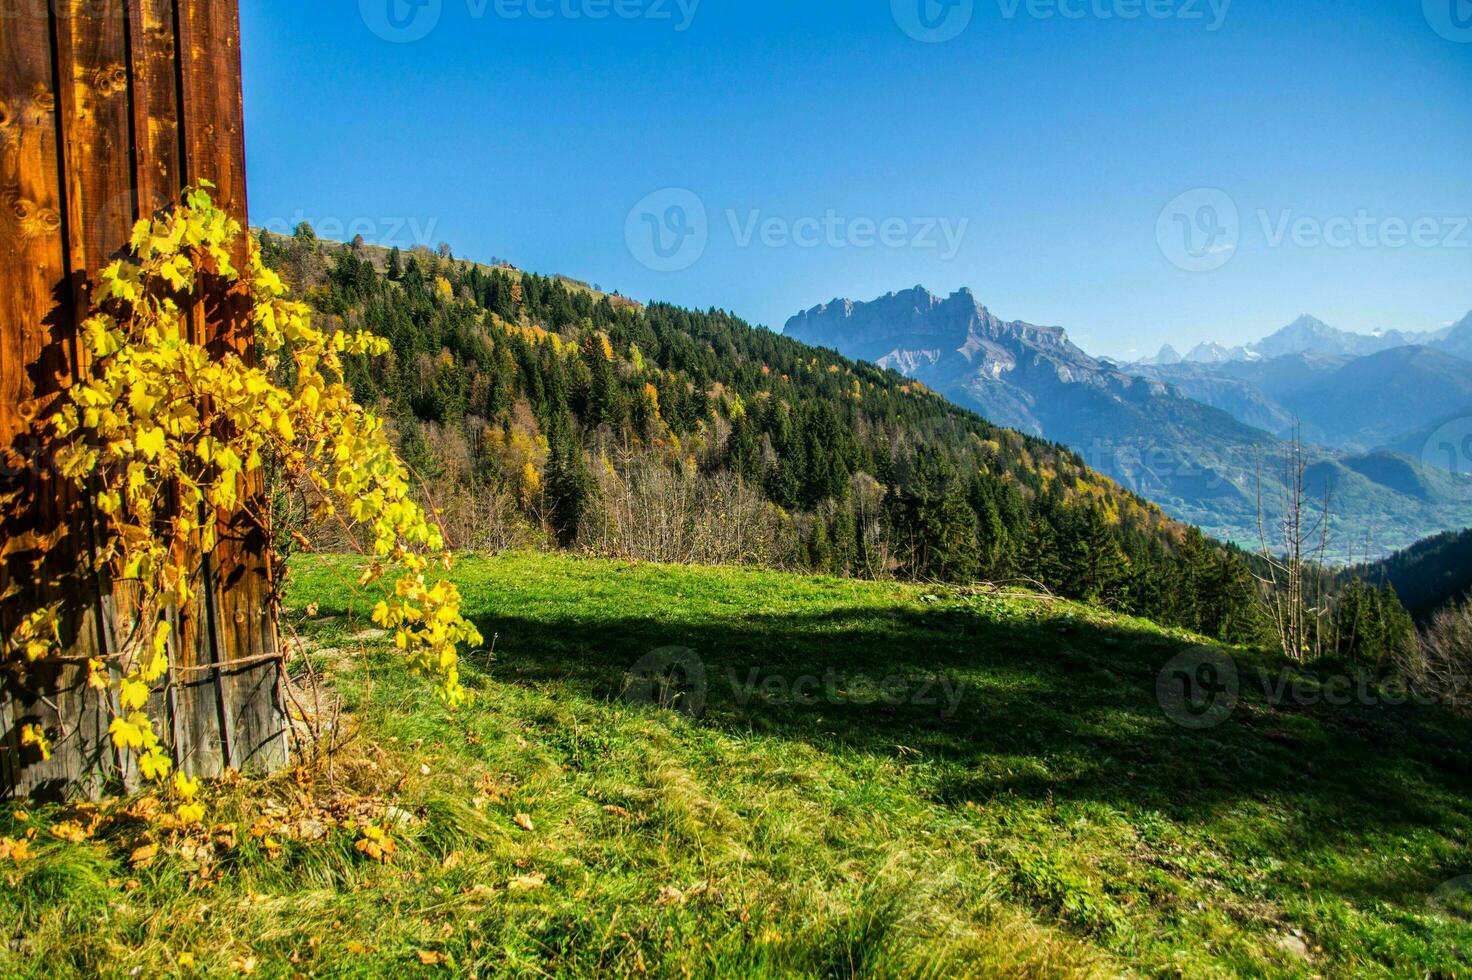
x=1075 y=162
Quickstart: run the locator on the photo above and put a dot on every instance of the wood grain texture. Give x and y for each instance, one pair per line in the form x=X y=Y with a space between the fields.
x=252 y=708
x=38 y=361
x=91 y=45
x=107 y=109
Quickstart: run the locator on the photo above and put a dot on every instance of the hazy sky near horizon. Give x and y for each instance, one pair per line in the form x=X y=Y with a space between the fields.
x=1137 y=171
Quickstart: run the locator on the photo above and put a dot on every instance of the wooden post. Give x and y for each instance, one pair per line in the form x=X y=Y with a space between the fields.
x=108 y=108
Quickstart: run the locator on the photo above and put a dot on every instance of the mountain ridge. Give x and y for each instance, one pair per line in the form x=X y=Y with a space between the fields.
x=1197 y=459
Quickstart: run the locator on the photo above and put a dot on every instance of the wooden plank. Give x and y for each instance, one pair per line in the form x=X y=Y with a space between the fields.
x=37 y=361
x=242 y=620
x=157 y=149
x=93 y=96
x=198 y=723
x=96 y=112
x=158 y=165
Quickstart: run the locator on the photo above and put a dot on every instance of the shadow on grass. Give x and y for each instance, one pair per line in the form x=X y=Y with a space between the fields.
x=1052 y=710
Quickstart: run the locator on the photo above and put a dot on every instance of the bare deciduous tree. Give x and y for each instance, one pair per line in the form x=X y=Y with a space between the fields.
x=1293 y=557
x=1440 y=665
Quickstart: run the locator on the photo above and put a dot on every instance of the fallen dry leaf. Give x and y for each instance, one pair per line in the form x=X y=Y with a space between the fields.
x=523 y=821
x=14 y=850
x=525 y=883
x=143 y=856
x=376 y=844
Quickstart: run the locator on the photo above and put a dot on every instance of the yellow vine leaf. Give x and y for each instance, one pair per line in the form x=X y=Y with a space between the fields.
x=34 y=736
x=143 y=434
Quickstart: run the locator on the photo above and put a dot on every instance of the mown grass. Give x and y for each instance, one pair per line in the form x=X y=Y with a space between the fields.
x=1055 y=823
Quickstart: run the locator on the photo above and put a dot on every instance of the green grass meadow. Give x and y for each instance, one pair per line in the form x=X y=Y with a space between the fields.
x=884 y=780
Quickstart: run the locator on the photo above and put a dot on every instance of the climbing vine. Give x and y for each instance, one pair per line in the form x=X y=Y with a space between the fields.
x=164 y=434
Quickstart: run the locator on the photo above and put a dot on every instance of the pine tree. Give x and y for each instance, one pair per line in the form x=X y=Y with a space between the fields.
x=605 y=399
x=569 y=487
x=937 y=526
x=820 y=547
x=845 y=541
x=1093 y=565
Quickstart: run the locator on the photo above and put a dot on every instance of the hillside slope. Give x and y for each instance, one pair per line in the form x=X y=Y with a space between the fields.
x=967 y=785
x=1427 y=576
x=544 y=415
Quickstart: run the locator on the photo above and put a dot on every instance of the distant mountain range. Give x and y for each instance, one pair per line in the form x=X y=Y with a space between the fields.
x=1355 y=392
x=1310 y=335
x=1192 y=433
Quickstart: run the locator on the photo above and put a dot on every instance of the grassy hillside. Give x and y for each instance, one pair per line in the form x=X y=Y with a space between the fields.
x=1019 y=804
x=542 y=416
